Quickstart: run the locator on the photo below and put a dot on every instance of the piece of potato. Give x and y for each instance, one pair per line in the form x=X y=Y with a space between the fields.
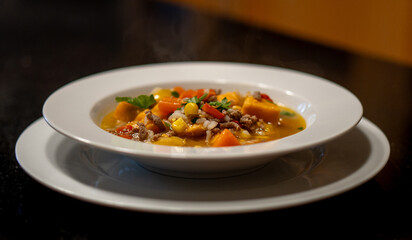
x=269 y=112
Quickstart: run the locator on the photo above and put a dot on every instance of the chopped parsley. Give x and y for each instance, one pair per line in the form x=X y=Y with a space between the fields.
x=300 y=128
x=287 y=113
x=168 y=125
x=194 y=120
x=175 y=94
x=195 y=99
x=142 y=101
x=224 y=104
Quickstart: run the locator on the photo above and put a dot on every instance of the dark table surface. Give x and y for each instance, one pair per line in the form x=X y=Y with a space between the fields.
x=46 y=44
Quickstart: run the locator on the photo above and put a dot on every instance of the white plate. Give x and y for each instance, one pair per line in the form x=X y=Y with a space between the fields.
x=77 y=109
x=114 y=180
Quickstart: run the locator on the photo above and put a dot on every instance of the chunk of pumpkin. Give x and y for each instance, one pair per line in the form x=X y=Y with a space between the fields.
x=234 y=97
x=140 y=117
x=125 y=112
x=263 y=109
x=225 y=139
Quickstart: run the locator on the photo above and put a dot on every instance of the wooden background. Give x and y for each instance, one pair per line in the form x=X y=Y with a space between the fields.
x=378 y=28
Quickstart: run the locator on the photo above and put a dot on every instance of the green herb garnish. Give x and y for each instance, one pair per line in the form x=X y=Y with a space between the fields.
x=286 y=113
x=194 y=120
x=300 y=128
x=224 y=104
x=175 y=94
x=195 y=99
x=142 y=101
x=168 y=125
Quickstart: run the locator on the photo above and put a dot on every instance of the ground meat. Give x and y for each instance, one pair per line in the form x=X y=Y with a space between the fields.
x=156 y=120
x=248 y=121
x=229 y=125
x=158 y=135
x=215 y=130
x=234 y=114
x=140 y=133
x=170 y=133
x=193 y=117
x=257 y=95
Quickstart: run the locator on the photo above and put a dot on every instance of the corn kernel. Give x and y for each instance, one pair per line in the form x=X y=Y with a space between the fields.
x=191 y=108
x=179 y=125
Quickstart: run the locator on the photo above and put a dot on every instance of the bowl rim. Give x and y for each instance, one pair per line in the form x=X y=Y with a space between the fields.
x=315 y=90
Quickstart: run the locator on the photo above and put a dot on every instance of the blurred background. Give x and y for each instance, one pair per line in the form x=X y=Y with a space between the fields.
x=372 y=27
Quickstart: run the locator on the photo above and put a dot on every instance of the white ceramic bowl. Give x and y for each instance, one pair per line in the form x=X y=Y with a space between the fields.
x=77 y=109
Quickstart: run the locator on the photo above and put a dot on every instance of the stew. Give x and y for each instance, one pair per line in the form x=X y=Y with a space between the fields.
x=202 y=118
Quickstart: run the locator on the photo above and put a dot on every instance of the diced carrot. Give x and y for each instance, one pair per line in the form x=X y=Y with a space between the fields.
x=168 y=105
x=125 y=112
x=198 y=93
x=188 y=94
x=201 y=92
x=123 y=131
x=127 y=136
x=225 y=139
x=155 y=110
x=212 y=111
x=178 y=89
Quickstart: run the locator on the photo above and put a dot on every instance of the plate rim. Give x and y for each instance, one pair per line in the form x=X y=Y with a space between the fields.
x=356 y=178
